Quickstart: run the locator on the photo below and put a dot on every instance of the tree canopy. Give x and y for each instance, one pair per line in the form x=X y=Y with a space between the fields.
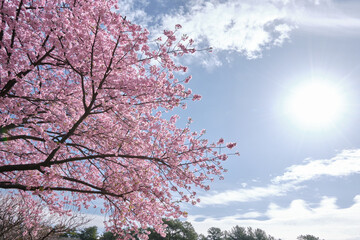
x=307 y=237
x=82 y=93
x=215 y=233
x=175 y=230
x=89 y=233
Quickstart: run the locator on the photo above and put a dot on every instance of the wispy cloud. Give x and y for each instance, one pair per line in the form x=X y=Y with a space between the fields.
x=325 y=14
x=343 y=164
x=326 y=220
x=246 y=194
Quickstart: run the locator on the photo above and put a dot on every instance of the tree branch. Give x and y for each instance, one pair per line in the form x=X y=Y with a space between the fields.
x=10 y=185
x=37 y=166
x=11 y=138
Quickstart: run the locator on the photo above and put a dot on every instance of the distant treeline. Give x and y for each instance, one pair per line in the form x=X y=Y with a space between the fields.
x=179 y=230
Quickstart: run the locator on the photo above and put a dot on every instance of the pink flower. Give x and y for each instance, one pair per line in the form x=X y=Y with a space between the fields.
x=223 y=157
x=168 y=33
x=221 y=141
x=178 y=26
x=187 y=80
x=192 y=50
x=196 y=97
x=231 y=145
x=174 y=118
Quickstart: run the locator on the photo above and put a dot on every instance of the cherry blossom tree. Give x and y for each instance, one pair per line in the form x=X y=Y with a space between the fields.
x=82 y=93
x=13 y=225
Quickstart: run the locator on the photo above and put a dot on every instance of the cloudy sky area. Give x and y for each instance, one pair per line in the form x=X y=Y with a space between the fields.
x=293 y=177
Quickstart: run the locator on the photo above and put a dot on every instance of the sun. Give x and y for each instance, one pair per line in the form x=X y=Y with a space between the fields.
x=316 y=104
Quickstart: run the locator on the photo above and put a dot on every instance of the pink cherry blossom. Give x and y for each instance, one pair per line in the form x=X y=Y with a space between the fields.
x=187 y=79
x=230 y=145
x=196 y=97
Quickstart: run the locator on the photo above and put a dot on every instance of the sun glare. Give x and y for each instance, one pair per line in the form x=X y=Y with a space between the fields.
x=316 y=104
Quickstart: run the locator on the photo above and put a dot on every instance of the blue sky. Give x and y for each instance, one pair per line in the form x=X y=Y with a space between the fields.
x=292 y=178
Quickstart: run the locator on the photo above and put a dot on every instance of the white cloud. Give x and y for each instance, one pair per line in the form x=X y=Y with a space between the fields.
x=134 y=10
x=245 y=26
x=326 y=22
x=247 y=215
x=249 y=26
x=95 y=220
x=326 y=220
x=345 y=163
x=245 y=195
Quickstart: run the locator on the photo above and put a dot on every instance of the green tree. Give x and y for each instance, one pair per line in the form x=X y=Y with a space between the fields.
x=202 y=237
x=175 y=230
x=241 y=233
x=108 y=236
x=237 y=233
x=89 y=233
x=215 y=233
x=261 y=235
x=307 y=237
x=73 y=233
